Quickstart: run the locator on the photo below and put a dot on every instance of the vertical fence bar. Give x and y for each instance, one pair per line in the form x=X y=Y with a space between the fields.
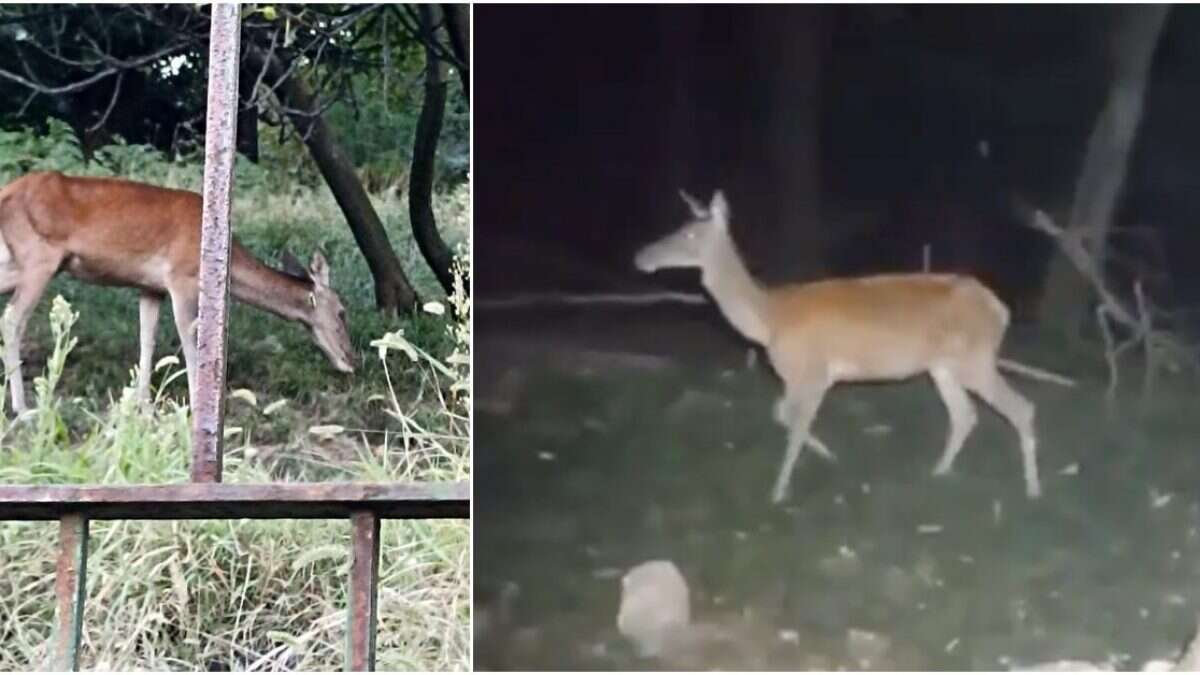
x=364 y=593
x=208 y=397
x=70 y=586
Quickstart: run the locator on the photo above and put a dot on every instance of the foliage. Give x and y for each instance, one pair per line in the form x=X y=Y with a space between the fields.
x=383 y=126
x=364 y=60
x=22 y=150
x=243 y=595
x=59 y=149
x=223 y=594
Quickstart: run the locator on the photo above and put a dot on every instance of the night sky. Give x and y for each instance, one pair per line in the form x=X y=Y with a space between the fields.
x=845 y=137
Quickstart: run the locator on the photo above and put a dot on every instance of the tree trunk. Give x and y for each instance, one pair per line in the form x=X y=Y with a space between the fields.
x=458 y=27
x=392 y=289
x=790 y=62
x=247 y=117
x=1066 y=295
x=424 y=157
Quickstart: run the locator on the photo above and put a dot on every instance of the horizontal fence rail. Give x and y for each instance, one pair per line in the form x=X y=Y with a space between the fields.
x=222 y=500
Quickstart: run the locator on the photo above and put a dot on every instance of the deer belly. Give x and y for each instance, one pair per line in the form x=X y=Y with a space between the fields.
x=858 y=371
x=114 y=273
x=888 y=360
x=848 y=357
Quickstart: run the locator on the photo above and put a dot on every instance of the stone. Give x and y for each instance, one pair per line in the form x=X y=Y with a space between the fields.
x=654 y=605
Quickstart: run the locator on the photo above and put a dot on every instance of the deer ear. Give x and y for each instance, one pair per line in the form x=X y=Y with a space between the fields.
x=694 y=204
x=293 y=267
x=719 y=209
x=318 y=269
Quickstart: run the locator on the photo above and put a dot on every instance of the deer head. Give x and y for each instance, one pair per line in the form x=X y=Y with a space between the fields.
x=326 y=318
x=693 y=245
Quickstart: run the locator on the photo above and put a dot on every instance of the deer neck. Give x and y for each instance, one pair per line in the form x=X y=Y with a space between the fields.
x=281 y=294
x=739 y=296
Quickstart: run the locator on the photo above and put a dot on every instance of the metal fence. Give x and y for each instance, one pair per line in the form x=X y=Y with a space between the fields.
x=364 y=505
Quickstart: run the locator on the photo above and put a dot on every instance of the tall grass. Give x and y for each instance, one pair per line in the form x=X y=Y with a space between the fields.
x=248 y=595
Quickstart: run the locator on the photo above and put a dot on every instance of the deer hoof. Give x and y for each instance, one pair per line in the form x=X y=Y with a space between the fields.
x=778 y=495
x=780 y=413
x=1033 y=491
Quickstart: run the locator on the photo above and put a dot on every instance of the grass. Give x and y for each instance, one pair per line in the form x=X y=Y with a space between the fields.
x=248 y=595
x=588 y=476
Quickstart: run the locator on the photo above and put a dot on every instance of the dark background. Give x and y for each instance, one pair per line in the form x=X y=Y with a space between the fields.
x=846 y=138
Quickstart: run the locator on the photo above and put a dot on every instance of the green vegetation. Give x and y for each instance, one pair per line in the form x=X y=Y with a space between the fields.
x=242 y=594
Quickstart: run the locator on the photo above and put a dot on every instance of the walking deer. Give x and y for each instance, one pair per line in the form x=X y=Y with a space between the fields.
x=876 y=328
x=119 y=233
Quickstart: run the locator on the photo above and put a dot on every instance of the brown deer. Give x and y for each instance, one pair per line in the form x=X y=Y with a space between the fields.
x=876 y=328
x=115 y=232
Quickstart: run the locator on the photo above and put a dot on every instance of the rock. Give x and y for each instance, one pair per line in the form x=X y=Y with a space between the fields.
x=655 y=616
x=654 y=606
x=1189 y=659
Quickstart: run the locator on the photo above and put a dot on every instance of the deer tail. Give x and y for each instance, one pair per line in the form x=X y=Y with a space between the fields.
x=1035 y=373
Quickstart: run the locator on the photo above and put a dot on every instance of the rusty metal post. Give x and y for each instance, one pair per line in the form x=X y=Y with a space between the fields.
x=364 y=593
x=208 y=395
x=70 y=586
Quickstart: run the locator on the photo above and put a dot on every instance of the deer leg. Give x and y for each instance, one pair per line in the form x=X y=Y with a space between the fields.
x=784 y=414
x=184 y=306
x=10 y=277
x=10 y=271
x=804 y=405
x=148 y=308
x=1015 y=408
x=962 y=416
x=26 y=294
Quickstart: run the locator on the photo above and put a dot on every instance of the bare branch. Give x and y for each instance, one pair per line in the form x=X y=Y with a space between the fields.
x=262 y=73
x=112 y=102
x=426 y=35
x=1139 y=320
x=56 y=56
x=89 y=81
x=67 y=88
x=25 y=106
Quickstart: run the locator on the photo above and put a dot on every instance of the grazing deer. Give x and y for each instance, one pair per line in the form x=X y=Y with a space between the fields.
x=118 y=233
x=886 y=327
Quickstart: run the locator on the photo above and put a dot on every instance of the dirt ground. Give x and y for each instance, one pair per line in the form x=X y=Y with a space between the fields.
x=605 y=438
